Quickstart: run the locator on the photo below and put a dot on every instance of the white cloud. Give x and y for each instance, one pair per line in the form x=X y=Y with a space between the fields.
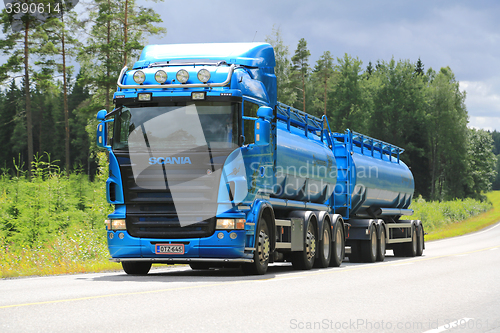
x=483 y=103
x=487 y=123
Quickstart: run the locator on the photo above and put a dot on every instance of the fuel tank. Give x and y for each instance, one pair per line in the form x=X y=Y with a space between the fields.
x=305 y=166
x=370 y=176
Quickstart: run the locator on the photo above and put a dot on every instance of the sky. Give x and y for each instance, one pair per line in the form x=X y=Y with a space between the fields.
x=464 y=35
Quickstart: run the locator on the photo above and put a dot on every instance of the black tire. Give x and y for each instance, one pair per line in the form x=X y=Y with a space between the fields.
x=381 y=244
x=261 y=253
x=338 y=245
x=324 y=248
x=420 y=240
x=410 y=248
x=304 y=260
x=369 y=247
x=136 y=267
x=199 y=265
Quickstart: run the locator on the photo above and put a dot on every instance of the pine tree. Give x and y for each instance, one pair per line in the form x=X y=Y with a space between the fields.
x=419 y=67
x=59 y=34
x=369 y=70
x=301 y=67
x=116 y=35
x=324 y=71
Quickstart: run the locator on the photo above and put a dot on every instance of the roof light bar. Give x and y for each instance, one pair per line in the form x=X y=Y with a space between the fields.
x=162 y=86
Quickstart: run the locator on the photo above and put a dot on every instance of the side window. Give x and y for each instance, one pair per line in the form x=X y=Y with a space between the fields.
x=249 y=110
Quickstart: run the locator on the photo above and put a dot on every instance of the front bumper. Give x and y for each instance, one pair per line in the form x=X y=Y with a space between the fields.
x=225 y=249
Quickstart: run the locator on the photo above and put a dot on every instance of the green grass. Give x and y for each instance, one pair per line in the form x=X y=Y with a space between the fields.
x=469 y=225
x=53 y=224
x=74 y=251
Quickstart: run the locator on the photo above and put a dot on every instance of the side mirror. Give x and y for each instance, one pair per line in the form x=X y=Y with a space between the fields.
x=102 y=134
x=101 y=115
x=265 y=112
x=262 y=132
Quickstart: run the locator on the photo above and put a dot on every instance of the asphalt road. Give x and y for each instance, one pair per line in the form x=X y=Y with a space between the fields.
x=454 y=287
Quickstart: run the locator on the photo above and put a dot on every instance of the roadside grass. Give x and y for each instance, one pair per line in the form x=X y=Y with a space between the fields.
x=75 y=251
x=471 y=224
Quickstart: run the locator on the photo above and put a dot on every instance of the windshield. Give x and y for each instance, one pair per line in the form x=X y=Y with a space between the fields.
x=184 y=126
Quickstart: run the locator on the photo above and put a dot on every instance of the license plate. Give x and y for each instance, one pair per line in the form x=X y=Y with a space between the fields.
x=169 y=248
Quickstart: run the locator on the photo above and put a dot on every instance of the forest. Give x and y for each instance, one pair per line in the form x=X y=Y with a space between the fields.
x=59 y=70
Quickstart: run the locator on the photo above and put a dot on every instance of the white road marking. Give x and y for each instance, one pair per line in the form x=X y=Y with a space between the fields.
x=453 y=324
x=493 y=249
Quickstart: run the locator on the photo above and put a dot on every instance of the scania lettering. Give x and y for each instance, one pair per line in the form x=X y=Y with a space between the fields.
x=207 y=168
x=169 y=160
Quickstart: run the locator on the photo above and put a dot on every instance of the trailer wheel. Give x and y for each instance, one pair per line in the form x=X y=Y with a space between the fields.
x=199 y=265
x=420 y=240
x=369 y=247
x=136 y=267
x=338 y=246
x=324 y=248
x=305 y=259
x=261 y=253
x=381 y=245
x=410 y=249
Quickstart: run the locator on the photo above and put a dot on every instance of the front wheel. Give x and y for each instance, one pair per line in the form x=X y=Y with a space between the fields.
x=261 y=253
x=136 y=267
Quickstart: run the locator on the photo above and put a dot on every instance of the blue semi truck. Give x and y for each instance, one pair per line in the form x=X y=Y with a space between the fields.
x=207 y=168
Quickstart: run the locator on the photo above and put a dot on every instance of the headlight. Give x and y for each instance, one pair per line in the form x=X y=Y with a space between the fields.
x=204 y=75
x=139 y=77
x=182 y=76
x=161 y=77
x=118 y=225
x=230 y=224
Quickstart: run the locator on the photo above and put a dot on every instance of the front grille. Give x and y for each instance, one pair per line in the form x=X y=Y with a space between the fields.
x=152 y=211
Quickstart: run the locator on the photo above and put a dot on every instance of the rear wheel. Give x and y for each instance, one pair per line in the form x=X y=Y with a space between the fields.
x=136 y=267
x=420 y=240
x=410 y=249
x=369 y=247
x=305 y=259
x=338 y=245
x=381 y=245
x=325 y=249
x=261 y=253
